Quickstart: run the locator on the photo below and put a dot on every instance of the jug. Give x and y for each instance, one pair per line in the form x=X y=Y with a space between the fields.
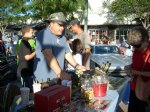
x=99 y=84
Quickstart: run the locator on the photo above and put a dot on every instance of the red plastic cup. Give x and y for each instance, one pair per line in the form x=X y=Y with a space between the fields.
x=100 y=89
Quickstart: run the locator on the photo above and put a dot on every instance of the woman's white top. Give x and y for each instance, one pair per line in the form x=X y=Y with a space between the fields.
x=78 y=59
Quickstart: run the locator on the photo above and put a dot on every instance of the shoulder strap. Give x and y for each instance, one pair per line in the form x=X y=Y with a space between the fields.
x=147 y=57
x=27 y=44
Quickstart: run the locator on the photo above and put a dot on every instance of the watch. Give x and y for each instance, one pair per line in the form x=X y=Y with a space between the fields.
x=76 y=65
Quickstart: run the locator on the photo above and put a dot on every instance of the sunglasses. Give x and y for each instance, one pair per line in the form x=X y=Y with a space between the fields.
x=60 y=24
x=137 y=46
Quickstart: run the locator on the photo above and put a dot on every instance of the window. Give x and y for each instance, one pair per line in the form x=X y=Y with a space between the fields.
x=122 y=32
x=107 y=50
x=97 y=34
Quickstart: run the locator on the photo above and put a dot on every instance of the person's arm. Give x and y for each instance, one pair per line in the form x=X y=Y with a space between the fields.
x=72 y=61
x=141 y=73
x=53 y=64
x=87 y=50
x=127 y=69
x=86 y=55
x=30 y=56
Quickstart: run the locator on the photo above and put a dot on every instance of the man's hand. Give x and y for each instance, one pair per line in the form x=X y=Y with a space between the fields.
x=64 y=76
x=80 y=67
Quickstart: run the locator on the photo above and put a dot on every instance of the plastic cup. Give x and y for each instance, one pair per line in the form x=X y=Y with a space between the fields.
x=67 y=83
x=25 y=95
x=100 y=89
x=36 y=87
x=64 y=82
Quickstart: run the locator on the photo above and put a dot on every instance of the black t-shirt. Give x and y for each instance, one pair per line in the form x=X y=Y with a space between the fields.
x=25 y=68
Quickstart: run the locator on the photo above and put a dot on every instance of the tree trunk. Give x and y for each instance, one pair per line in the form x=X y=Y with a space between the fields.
x=2 y=30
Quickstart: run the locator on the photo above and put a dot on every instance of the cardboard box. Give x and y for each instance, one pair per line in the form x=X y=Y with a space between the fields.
x=52 y=99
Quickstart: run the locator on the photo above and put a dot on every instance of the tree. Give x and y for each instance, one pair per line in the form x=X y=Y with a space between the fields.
x=19 y=11
x=11 y=12
x=41 y=9
x=132 y=10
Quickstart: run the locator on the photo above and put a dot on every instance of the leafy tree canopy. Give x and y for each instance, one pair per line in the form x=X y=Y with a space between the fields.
x=41 y=9
x=11 y=12
x=19 y=11
x=135 y=9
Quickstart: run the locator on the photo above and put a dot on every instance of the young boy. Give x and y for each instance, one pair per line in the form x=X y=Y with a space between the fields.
x=26 y=58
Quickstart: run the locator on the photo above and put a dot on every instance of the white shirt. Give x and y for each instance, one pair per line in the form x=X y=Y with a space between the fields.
x=78 y=59
x=128 y=52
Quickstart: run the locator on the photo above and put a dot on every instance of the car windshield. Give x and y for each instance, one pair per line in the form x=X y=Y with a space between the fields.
x=107 y=50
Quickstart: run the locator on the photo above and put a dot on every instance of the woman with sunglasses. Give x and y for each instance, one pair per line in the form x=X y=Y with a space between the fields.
x=138 y=37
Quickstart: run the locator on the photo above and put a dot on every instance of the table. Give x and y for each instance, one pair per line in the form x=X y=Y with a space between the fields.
x=118 y=91
x=112 y=95
x=122 y=85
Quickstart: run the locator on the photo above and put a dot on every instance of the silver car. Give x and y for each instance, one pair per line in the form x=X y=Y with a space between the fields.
x=112 y=54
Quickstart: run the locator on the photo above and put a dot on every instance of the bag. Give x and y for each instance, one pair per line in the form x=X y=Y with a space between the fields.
x=142 y=89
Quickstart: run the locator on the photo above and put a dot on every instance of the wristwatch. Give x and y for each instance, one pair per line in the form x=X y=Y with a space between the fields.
x=76 y=65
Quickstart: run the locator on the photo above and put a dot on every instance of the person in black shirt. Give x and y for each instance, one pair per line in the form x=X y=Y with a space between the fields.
x=26 y=58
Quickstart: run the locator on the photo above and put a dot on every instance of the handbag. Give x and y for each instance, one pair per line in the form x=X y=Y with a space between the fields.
x=142 y=89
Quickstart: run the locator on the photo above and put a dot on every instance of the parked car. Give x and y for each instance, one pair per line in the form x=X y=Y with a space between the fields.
x=112 y=54
x=8 y=67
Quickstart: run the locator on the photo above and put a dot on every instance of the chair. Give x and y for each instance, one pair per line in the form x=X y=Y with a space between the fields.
x=10 y=92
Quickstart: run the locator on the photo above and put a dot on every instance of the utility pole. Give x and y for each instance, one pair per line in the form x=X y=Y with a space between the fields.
x=86 y=16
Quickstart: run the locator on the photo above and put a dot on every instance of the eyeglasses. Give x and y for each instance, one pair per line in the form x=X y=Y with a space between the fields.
x=137 y=46
x=61 y=25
